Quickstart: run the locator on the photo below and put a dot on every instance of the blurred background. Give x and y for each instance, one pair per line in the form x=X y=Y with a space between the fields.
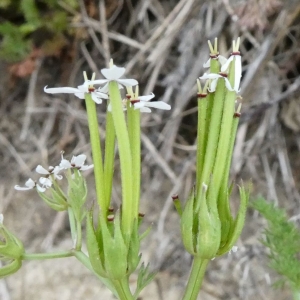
x=162 y=44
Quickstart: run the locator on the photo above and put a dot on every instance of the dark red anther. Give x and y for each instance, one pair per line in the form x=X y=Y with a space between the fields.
x=175 y=197
x=128 y=96
x=236 y=53
x=141 y=215
x=237 y=115
x=111 y=209
x=110 y=218
x=223 y=74
x=91 y=89
x=135 y=101
x=201 y=95
x=214 y=56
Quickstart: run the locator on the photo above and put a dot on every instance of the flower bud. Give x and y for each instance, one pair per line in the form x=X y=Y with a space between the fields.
x=200 y=225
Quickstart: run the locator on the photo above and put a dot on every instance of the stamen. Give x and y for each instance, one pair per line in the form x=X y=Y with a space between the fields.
x=223 y=74
x=174 y=197
x=135 y=101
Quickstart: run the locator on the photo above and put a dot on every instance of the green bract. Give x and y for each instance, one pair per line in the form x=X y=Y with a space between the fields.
x=11 y=251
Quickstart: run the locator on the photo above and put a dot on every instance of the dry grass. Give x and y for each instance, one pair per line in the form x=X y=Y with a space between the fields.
x=163 y=44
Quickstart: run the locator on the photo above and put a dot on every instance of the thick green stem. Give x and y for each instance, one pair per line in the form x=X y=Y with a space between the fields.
x=109 y=156
x=195 y=279
x=134 y=131
x=97 y=153
x=125 y=157
x=122 y=288
x=41 y=256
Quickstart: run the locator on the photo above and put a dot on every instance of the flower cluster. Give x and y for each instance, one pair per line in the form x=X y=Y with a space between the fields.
x=50 y=175
x=114 y=73
x=225 y=63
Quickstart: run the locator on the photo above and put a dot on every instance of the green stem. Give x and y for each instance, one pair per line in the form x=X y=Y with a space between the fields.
x=109 y=156
x=213 y=136
x=195 y=279
x=96 y=151
x=79 y=236
x=40 y=256
x=125 y=157
x=134 y=131
x=225 y=134
x=72 y=224
x=122 y=288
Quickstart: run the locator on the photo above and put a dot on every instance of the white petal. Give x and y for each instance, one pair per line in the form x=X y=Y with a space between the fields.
x=228 y=85
x=100 y=94
x=98 y=81
x=30 y=183
x=84 y=168
x=158 y=104
x=104 y=89
x=56 y=170
x=68 y=90
x=222 y=59
x=146 y=98
x=113 y=73
x=46 y=182
x=109 y=107
x=207 y=64
x=78 y=160
x=145 y=110
x=84 y=88
x=21 y=188
x=139 y=105
x=226 y=65
x=65 y=164
x=128 y=82
x=210 y=76
x=96 y=99
x=41 y=170
x=237 y=72
x=213 y=85
x=40 y=189
x=79 y=95
x=1 y=218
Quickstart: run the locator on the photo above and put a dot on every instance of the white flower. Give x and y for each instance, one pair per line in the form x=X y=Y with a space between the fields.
x=114 y=74
x=52 y=171
x=215 y=78
x=97 y=94
x=142 y=103
x=236 y=56
x=30 y=184
x=1 y=218
x=76 y=162
x=218 y=57
x=237 y=69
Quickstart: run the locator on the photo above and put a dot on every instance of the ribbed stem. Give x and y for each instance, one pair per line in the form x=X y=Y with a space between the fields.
x=96 y=152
